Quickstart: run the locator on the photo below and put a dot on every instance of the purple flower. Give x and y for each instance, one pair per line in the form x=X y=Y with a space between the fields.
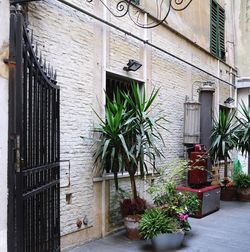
x=183 y=217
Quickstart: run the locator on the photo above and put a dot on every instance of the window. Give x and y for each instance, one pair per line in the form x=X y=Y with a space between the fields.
x=114 y=82
x=217 y=32
x=136 y=2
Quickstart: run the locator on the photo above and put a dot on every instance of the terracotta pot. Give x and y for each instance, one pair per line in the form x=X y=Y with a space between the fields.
x=131 y=224
x=244 y=195
x=228 y=193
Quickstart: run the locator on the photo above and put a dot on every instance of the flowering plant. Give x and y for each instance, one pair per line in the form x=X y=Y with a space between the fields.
x=172 y=202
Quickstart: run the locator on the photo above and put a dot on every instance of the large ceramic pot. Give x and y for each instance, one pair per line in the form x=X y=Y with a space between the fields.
x=131 y=223
x=244 y=194
x=228 y=193
x=165 y=242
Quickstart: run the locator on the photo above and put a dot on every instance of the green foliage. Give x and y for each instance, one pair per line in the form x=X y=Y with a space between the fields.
x=155 y=222
x=223 y=136
x=244 y=129
x=129 y=135
x=168 y=199
x=242 y=180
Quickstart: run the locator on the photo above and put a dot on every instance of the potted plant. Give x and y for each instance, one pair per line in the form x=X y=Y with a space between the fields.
x=128 y=136
x=242 y=181
x=166 y=223
x=164 y=231
x=132 y=209
x=224 y=139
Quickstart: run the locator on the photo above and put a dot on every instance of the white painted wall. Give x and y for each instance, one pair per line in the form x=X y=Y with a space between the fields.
x=4 y=40
x=82 y=50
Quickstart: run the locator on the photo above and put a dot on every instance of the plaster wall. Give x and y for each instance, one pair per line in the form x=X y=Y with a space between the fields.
x=242 y=28
x=4 y=44
x=83 y=50
x=194 y=22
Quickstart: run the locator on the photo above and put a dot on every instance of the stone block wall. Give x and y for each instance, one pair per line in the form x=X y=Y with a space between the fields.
x=83 y=50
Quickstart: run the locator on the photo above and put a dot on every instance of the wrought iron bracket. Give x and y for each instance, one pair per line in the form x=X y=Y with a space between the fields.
x=130 y=8
x=22 y=1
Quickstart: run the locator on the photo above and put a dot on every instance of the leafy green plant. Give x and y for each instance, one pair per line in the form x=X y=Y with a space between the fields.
x=223 y=137
x=129 y=135
x=242 y=181
x=172 y=202
x=155 y=222
x=244 y=129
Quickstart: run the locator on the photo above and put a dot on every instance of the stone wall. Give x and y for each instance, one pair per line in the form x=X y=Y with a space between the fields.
x=83 y=50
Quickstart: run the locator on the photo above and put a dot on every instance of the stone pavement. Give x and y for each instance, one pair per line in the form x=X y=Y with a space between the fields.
x=227 y=230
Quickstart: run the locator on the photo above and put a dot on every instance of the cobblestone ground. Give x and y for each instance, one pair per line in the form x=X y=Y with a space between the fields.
x=227 y=230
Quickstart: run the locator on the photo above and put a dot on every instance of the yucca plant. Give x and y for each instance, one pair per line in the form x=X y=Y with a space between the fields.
x=129 y=135
x=223 y=137
x=244 y=129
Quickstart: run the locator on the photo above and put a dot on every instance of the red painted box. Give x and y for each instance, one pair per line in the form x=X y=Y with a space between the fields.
x=209 y=197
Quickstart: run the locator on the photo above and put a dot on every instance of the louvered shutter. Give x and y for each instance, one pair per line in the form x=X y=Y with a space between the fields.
x=217 y=32
x=213 y=32
x=221 y=28
x=137 y=2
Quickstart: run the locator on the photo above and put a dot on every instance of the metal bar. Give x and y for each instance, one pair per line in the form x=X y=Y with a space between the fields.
x=19 y=113
x=39 y=168
x=58 y=169
x=40 y=189
x=11 y=129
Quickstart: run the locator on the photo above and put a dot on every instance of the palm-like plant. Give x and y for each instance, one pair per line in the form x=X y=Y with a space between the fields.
x=129 y=135
x=244 y=129
x=223 y=137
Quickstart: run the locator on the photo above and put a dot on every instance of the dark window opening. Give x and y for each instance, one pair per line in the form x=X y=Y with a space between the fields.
x=116 y=82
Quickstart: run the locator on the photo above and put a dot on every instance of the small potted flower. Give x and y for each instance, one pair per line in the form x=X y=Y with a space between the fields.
x=242 y=182
x=131 y=210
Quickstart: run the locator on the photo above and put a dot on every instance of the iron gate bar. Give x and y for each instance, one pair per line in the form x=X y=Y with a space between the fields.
x=35 y=136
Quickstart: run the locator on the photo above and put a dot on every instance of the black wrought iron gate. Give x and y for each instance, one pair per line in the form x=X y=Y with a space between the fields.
x=34 y=146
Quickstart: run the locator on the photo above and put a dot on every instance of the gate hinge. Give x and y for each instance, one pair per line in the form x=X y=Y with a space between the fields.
x=9 y=62
x=18 y=156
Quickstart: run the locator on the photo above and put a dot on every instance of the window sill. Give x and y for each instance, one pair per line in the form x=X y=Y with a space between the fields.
x=108 y=177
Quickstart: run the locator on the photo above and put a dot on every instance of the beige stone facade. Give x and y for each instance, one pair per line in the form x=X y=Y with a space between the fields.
x=84 y=50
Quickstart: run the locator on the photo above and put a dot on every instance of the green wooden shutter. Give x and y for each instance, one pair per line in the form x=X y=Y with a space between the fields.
x=213 y=32
x=221 y=33
x=137 y=2
x=217 y=30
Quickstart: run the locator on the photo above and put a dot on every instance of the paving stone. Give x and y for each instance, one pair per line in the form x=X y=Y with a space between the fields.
x=227 y=230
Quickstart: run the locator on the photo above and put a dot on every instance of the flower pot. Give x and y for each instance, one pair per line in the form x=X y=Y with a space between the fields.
x=131 y=223
x=228 y=193
x=244 y=194
x=164 y=242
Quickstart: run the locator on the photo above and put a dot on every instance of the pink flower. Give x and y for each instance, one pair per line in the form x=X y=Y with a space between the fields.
x=183 y=217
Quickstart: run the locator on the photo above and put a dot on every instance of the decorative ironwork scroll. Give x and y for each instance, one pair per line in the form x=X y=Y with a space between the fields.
x=161 y=12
